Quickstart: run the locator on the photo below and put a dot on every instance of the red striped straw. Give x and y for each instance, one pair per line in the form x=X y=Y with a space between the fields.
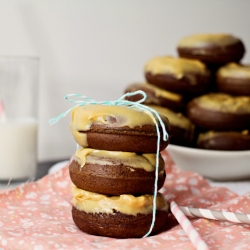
x=2 y=112
x=186 y=225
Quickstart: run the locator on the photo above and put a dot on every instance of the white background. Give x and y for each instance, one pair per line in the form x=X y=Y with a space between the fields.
x=98 y=47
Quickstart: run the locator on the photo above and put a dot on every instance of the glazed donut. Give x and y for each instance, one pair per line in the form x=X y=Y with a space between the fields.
x=220 y=112
x=232 y=140
x=182 y=129
x=115 y=173
x=116 y=128
x=180 y=75
x=217 y=49
x=124 y=216
x=234 y=79
x=157 y=96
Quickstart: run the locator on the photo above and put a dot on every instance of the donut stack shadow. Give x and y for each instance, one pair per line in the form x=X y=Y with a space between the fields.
x=114 y=171
x=205 y=92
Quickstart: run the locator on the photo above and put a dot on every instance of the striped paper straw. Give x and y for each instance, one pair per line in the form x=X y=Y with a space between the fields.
x=186 y=225
x=2 y=112
x=216 y=215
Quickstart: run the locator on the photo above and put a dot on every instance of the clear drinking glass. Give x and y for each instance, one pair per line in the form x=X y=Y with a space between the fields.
x=18 y=117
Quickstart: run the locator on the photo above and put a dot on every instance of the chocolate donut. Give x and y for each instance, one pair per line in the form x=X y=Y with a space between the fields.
x=234 y=79
x=116 y=128
x=180 y=75
x=157 y=96
x=216 y=49
x=220 y=112
x=116 y=173
x=224 y=140
x=182 y=129
x=124 y=216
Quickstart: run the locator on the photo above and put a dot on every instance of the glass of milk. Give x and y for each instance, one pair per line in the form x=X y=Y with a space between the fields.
x=18 y=118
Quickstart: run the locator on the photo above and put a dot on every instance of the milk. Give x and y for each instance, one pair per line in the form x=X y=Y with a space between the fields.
x=18 y=149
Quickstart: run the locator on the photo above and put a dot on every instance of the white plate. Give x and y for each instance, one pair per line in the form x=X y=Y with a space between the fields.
x=58 y=166
x=213 y=164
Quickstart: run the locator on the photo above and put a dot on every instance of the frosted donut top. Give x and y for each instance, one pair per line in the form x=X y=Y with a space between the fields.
x=158 y=91
x=225 y=103
x=127 y=204
x=210 y=134
x=235 y=70
x=177 y=119
x=207 y=40
x=111 y=116
x=103 y=157
x=175 y=66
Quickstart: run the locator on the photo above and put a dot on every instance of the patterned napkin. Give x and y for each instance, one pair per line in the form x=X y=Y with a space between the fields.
x=37 y=216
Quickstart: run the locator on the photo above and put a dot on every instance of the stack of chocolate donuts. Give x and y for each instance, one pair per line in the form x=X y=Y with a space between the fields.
x=205 y=92
x=114 y=171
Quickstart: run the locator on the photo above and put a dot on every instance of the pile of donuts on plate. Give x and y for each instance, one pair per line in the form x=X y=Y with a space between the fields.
x=205 y=92
x=114 y=171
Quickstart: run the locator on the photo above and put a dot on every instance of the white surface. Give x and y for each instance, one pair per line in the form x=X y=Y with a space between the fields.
x=97 y=48
x=213 y=164
x=18 y=149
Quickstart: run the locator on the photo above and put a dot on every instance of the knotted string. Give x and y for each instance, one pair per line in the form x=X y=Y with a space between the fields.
x=83 y=100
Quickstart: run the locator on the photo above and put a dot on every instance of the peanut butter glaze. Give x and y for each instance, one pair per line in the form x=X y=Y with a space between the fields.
x=111 y=116
x=207 y=40
x=103 y=157
x=158 y=91
x=225 y=103
x=235 y=70
x=211 y=134
x=174 y=118
x=127 y=204
x=175 y=66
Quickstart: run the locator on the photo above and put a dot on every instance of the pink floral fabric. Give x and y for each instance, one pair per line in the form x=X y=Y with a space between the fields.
x=37 y=216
